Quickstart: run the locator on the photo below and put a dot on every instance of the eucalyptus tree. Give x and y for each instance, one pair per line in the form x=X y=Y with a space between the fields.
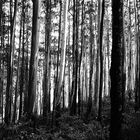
x=34 y=57
x=18 y=71
x=63 y=43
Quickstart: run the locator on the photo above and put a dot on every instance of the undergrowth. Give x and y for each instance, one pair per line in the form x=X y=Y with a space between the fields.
x=74 y=127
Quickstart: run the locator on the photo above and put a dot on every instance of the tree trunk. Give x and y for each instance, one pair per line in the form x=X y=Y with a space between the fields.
x=130 y=55
x=22 y=65
x=46 y=83
x=18 y=71
x=101 y=61
x=116 y=70
x=89 y=107
x=62 y=62
x=75 y=56
x=34 y=58
x=26 y=67
x=10 y=65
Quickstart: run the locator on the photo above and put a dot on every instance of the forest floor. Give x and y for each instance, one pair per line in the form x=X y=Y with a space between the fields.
x=131 y=125
x=74 y=128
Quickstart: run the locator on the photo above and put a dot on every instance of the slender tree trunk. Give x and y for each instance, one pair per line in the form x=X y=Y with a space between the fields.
x=46 y=99
x=34 y=58
x=18 y=71
x=137 y=58
x=81 y=81
x=69 y=70
x=62 y=61
x=123 y=68
x=97 y=79
x=26 y=68
x=80 y=59
x=57 y=69
x=2 y=48
x=130 y=55
x=73 y=96
x=89 y=107
x=101 y=61
x=1 y=70
x=22 y=74
x=74 y=104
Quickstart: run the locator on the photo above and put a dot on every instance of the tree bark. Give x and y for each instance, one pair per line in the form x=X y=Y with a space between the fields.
x=101 y=61
x=18 y=71
x=116 y=70
x=34 y=58
x=46 y=83
x=63 y=57
x=89 y=106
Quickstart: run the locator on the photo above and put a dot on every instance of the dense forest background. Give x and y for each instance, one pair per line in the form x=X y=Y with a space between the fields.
x=69 y=69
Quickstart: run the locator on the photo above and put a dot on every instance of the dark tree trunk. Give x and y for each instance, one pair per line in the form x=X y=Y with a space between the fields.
x=116 y=70
x=75 y=57
x=89 y=106
x=101 y=61
x=57 y=67
x=46 y=83
x=22 y=66
x=72 y=96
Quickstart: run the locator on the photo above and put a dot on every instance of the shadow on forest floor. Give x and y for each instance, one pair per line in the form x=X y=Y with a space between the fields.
x=74 y=128
x=131 y=127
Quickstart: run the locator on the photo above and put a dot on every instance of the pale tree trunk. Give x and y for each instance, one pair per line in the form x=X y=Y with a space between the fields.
x=18 y=71
x=81 y=81
x=63 y=56
x=34 y=57
x=86 y=77
x=97 y=79
x=73 y=92
x=26 y=67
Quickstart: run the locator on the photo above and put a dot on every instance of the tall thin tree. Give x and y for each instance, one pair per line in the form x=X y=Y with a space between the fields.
x=34 y=57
